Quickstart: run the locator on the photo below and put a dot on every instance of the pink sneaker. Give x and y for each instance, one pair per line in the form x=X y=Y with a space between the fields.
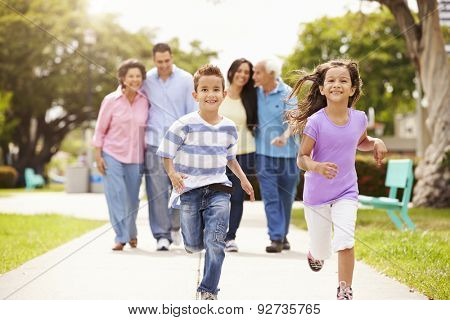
x=344 y=292
x=315 y=265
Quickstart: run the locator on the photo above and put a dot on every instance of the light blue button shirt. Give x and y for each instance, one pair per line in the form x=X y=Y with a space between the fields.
x=169 y=100
x=271 y=118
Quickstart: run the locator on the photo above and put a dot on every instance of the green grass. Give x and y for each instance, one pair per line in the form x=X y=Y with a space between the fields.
x=418 y=259
x=53 y=187
x=23 y=237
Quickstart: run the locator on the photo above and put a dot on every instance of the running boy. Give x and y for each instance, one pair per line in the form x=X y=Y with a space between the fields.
x=332 y=132
x=196 y=150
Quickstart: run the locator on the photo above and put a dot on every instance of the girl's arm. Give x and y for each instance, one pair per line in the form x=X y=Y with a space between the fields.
x=245 y=184
x=367 y=143
x=328 y=169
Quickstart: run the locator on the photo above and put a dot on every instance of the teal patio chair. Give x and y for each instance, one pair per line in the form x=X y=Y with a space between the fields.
x=399 y=175
x=33 y=180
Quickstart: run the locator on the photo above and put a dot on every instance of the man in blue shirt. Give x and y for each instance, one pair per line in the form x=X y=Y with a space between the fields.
x=169 y=90
x=276 y=152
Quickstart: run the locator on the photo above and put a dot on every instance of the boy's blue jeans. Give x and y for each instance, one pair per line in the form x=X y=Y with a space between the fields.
x=204 y=223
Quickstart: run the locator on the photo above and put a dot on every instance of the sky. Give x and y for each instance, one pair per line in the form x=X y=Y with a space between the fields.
x=234 y=28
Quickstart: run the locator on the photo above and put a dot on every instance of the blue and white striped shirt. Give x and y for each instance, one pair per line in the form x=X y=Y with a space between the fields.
x=199 y=150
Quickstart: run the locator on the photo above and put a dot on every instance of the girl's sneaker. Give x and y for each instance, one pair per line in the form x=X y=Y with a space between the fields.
x=208 y=296
x=344 y=292
x=315 y=265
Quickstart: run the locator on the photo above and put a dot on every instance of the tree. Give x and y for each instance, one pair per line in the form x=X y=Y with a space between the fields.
x=51 y=71
x=385 y=69
x=192 y=60
x=426 y=49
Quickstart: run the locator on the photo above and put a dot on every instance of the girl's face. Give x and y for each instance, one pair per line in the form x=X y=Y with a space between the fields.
x=337 y=86
x=133 y=78
x=242 y=75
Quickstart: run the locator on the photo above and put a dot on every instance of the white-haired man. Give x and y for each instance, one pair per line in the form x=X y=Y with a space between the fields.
x=276 y=153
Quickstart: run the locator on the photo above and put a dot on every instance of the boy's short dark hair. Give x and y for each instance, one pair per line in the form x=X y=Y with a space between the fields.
x=208 y=70
x=161 y=47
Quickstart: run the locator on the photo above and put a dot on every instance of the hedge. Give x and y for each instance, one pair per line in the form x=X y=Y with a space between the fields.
x=371 y=179
x=8 y=177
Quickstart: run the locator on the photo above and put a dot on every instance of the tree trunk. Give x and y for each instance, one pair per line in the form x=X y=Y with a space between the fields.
x=427 y=51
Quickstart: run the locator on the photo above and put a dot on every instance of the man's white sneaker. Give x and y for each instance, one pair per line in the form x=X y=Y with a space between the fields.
x=176 y=237
x=231 y=246
x=162 y=244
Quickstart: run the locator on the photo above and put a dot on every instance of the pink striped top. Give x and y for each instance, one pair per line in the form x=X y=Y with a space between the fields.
x=120 y=129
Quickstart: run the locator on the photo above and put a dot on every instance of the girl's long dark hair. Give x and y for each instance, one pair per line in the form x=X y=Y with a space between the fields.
x=248 y=93
x=314 y=100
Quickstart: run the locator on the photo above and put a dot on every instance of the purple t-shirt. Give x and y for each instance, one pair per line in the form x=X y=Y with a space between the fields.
x=335 y=144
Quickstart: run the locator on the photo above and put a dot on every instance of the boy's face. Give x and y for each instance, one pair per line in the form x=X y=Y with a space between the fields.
x=210 y=93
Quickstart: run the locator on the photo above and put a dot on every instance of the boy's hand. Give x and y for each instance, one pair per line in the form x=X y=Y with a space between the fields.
x=328 y=169
x=379 y=151
x=247 y=187
x=177 y=181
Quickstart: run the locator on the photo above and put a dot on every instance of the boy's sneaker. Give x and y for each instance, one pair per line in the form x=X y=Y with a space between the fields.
x=162 y=244
x=231 y=246
x=344 y=292
x=208 y=296
x=315 y=265
x=275 y=247
x=286 y=244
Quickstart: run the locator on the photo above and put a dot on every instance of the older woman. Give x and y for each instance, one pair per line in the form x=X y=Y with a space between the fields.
x=240 y=105
x=119 y=150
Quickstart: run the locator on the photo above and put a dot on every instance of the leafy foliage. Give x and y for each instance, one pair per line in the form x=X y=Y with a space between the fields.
x=374 y=41
x=57 y=78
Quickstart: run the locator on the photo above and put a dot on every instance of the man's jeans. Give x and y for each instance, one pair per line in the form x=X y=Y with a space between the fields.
x=278 y=179
x=158 y=186
x=204 y=223
x=247 y=163
x=122 y=181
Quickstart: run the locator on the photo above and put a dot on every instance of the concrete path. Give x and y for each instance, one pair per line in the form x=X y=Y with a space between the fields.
x=86 y=268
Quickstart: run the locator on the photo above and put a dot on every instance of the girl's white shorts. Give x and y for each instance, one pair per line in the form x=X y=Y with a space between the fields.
x=320 y=219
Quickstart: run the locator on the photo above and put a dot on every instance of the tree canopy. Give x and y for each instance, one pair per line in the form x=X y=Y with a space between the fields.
x=51 y=70
x=372 y=40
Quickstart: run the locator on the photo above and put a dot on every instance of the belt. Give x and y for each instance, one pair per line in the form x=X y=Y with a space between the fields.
x=220 y=187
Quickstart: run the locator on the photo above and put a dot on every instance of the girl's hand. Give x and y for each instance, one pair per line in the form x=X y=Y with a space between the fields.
x=247 y=187
x=177 y=181
x=101 y=165
x=379 y=151
x=328 y=169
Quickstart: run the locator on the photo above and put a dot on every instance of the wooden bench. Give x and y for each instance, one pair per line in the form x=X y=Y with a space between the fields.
x=399 y=176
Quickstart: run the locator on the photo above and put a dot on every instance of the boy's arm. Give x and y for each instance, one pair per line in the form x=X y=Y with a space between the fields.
x=368 y=143
x=175 y=178
x=237 y=170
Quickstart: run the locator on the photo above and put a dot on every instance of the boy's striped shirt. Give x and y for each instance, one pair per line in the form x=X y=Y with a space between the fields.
x=199 y=150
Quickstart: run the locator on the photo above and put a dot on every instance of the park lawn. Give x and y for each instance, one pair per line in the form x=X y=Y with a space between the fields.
x=418 y=259
x=23 y=237
x=52 y=187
